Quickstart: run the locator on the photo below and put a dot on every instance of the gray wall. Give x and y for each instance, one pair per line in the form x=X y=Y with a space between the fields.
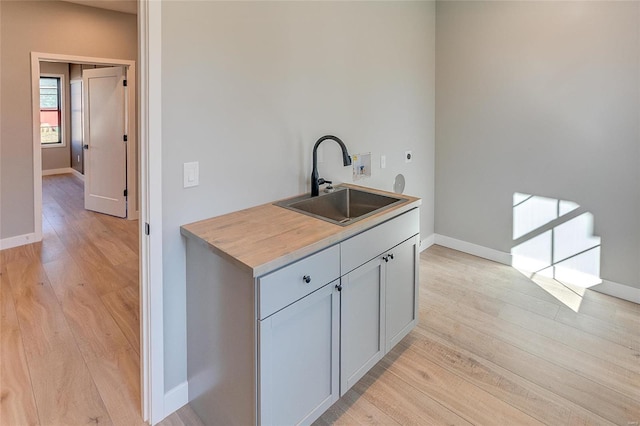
x=51 y=27
x=247 y=89
x=59 y=157
x=541 y=98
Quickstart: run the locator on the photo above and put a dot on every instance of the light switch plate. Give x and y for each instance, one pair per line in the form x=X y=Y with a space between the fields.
x=191 y=174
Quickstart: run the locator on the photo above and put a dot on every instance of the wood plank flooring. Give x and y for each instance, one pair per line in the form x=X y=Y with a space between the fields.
x=70 y=324
x=491 y=348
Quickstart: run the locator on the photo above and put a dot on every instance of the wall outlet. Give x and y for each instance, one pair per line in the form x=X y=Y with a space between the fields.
x=408 y=156
x=191 y=174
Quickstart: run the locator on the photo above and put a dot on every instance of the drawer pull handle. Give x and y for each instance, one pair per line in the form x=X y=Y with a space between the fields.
x=306 y=279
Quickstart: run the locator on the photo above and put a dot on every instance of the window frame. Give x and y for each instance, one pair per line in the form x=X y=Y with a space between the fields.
x=63 y=111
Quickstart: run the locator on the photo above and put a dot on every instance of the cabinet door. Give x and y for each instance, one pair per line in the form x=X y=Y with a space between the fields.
x=299 y=350
x=362 y=322
x=401 y=273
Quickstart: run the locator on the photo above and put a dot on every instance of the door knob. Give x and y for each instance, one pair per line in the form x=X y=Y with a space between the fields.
x=85 y=146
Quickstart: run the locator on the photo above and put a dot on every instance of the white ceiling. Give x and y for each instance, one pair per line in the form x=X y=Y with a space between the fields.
x=126 y=6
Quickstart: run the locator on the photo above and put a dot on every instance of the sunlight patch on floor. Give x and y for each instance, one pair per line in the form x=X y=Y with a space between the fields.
x=568 y=294
x=554 y=246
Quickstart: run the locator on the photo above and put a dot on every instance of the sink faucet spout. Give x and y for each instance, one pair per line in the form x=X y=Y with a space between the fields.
x=316 y=180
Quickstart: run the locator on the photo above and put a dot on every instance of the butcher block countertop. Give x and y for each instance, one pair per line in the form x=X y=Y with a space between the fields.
x=264 y=238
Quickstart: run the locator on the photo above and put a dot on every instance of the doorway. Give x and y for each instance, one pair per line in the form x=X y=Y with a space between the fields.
x=130 y=118
x=84 y=130
x=103 y=225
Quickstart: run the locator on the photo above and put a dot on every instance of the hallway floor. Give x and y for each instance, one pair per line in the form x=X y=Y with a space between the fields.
x=70 y=323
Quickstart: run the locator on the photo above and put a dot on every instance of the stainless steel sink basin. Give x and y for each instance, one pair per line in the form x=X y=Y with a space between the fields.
x=343 y=206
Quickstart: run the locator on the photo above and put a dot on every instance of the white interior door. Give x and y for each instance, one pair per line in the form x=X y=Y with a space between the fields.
x=105 y=150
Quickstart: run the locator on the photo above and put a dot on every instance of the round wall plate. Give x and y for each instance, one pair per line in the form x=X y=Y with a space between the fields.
x=398 y=184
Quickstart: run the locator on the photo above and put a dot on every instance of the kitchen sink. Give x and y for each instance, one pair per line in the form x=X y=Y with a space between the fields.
x=343 y=207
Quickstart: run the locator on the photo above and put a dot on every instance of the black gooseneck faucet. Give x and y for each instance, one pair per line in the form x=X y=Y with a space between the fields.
x=316 y=181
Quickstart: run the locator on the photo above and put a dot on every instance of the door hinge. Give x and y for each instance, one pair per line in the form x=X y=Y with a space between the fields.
x=125 y=138
x=124 y=83
x=146 y=228
x=125 y=192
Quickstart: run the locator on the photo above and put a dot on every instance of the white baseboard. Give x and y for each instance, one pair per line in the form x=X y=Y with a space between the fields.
x=621 y=291
x=474 y=249
x=427 y=242
x=19 y=240
x=77 y=174
x=176 y=398
x=57 y=171
x=63 y=171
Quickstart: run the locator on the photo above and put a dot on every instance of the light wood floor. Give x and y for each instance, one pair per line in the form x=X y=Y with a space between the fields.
x=69 y=324
x=492 y=347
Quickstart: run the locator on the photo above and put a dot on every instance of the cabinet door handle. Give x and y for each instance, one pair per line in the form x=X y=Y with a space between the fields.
x=339 y=287
x=385 y=258
x=391 y=256
x=306 y=279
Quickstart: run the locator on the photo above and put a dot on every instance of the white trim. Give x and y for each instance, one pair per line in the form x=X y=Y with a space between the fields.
x=151 y=280
x=176 y=398
x=132 y=142
x=63 y=112
x=427 y=242
x=474 y=249
x=62 y=171
x=76 y=173
x=37 y=147
x=621 y=291
x=18 y=240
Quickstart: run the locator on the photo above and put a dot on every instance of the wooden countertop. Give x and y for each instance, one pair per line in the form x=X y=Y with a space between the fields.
x=264 y=238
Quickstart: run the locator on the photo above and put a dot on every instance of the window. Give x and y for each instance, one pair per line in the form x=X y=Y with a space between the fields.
x=51 y=110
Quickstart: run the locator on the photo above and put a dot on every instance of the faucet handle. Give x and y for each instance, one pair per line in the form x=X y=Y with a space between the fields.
x=323 y=181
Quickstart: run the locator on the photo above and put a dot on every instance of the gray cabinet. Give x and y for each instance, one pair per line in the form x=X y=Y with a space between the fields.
x=299 y=354
x=401 y=291
x=281 y=347
x=362 y=322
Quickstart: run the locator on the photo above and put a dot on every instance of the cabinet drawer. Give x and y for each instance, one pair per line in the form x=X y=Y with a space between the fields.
x=286 y=285
x=365 y=246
